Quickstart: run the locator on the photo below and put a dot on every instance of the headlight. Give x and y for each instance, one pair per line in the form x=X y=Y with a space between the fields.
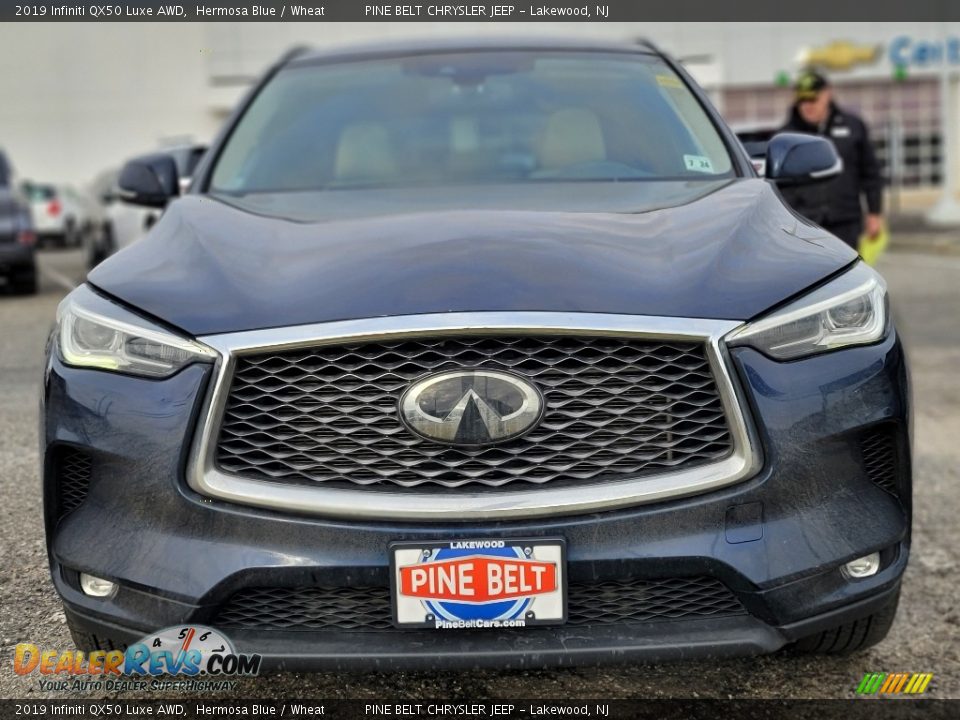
x=851 y=310
x=96 y=333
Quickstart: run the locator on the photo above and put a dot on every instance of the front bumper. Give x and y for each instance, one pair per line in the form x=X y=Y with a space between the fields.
x=535 y=648
x=776 y=540
x=16 y=259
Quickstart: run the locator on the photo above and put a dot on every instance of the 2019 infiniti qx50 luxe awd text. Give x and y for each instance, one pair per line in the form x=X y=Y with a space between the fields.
x=465 y=354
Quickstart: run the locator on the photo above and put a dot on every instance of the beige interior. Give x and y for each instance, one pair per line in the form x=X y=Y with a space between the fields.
x=364 y=154
x=572 y=137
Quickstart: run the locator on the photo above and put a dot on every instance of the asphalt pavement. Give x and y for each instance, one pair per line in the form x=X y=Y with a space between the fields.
x=925 y=290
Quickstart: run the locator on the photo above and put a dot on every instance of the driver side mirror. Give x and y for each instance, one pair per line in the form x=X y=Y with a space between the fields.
x=795 y=159
x=149 y=180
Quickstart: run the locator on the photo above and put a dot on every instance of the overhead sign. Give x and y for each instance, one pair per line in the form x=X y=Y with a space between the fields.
x=903 y=52
x=906 y=51
x=840 y=55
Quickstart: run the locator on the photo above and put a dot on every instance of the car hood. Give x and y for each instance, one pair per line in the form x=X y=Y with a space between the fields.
x=725 y=250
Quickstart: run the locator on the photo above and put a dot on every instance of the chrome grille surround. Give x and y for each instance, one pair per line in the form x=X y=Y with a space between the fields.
x=467 y=503
x=615 y=407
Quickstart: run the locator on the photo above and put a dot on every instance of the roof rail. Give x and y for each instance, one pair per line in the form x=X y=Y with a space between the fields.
x=292 y=53
x=649 y=45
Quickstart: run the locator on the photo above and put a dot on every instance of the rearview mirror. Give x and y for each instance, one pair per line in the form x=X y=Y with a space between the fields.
x=795 y=159
x=149 y=180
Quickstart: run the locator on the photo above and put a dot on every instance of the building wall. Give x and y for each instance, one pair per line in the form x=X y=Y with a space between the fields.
x=75 y=98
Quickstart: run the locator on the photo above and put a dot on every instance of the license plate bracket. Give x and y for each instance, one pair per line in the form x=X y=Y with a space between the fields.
x=481 y=583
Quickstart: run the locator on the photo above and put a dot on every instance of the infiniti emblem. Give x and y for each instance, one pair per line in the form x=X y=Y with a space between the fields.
x=471 y=407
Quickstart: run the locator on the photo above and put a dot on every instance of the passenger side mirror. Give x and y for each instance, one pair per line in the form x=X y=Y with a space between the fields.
x=795 y=159
x=149 y=180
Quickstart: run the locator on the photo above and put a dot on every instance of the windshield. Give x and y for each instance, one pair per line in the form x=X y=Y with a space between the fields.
x=39 y=193
x=483 y=117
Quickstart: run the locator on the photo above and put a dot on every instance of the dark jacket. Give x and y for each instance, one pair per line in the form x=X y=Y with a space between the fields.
x=838 y=201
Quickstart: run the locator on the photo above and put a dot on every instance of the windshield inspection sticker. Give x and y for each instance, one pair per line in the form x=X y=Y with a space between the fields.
x=669 y=81
x=698 y=163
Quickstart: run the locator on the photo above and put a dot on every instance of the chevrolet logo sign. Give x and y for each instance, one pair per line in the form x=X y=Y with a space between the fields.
x=839 y=55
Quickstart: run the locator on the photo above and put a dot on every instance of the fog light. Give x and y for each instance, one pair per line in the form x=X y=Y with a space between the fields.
x=862 y=567
x=96 y=587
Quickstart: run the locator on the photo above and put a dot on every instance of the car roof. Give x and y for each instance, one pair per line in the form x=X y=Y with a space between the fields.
x=387 y=48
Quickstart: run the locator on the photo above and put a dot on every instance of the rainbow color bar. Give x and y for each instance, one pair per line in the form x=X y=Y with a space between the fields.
x=894 y=683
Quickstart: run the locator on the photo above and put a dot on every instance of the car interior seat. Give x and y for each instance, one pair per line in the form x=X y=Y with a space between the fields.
x=572 y=137
x=364 y=156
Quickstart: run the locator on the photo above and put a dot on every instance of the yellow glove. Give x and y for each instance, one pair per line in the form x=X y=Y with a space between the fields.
x=871 y=248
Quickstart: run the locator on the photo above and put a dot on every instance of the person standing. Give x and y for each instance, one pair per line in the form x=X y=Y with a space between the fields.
x=837 y=205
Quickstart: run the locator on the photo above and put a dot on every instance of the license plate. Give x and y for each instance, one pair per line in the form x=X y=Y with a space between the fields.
x=479 y=583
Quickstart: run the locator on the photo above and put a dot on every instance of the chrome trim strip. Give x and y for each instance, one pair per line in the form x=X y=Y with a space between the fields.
x=363 y=503
x=831 y=171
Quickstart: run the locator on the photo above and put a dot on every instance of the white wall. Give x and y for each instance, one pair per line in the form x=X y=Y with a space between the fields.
x=76 y=98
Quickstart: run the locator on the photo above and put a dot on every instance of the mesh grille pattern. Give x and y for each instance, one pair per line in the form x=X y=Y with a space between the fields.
x=74 y=468
x=308 y=609
x=641 y=601
x=369 y=608
x=615 y=407
x=879 y=452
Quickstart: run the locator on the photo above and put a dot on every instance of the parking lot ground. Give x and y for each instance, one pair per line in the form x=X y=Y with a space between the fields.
x=926 y=637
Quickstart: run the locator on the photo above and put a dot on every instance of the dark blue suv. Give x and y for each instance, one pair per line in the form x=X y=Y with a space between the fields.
x=468 y=355
x=18 y=266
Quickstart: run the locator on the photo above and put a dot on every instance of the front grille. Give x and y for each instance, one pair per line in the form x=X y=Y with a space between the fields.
x=73 y=470
x=614 y=408
x=368 y=609
x=307 y=609
x=878 y=450
x=649 y=600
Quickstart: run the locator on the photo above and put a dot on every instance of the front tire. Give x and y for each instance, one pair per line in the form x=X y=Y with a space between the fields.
x=100 y=247
x=853 y=636
x=95 y=256
x=71 y=235
x=25 y=284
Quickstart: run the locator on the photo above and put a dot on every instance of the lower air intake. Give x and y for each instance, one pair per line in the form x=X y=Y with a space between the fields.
x=73 y=471
x=368 y=608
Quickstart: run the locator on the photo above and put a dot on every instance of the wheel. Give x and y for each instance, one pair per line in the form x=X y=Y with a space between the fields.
x=71 y=235
x=95 y=256
x=100 y=248
x=25 y=284
x=853 y=636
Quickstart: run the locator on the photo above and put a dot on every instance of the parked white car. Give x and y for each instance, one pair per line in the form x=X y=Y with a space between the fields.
x=61 y=214
x=124 y=223
x=754 y=138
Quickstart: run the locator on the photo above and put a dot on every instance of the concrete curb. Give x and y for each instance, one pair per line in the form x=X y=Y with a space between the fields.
x=937 y=243
x=910 y=232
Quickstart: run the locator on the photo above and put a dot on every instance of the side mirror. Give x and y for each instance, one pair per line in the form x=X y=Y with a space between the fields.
x=795 y=159
x=149 y=180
